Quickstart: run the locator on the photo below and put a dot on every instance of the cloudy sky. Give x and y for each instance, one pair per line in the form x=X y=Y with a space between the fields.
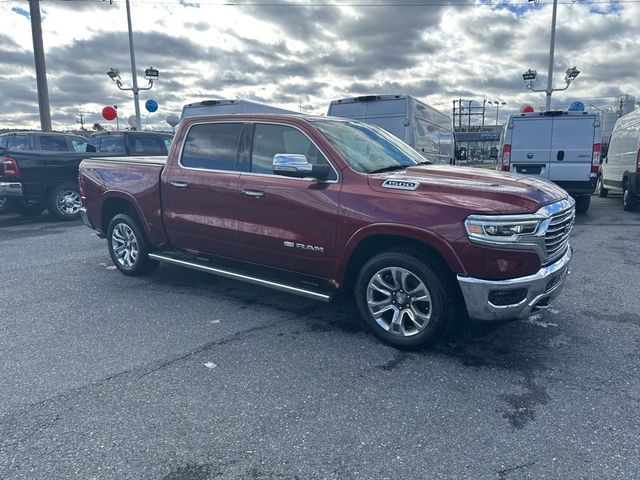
x=304 y=53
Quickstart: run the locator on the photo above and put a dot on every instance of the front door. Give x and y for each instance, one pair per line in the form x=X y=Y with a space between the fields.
x=287 y=223
x=200 y=194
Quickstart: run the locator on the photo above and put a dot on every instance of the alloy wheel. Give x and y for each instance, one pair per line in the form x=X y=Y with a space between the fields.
x=125 y=245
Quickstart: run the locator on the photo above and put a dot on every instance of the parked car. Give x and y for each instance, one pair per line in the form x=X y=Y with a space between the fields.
x=560 y=146
x=225 y=107
x=38 y=141
x=427 y=130
x=620 y=169
x=39 y=180
x=315 y=205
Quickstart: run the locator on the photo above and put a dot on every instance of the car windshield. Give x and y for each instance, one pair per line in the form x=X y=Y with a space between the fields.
x=367 y=148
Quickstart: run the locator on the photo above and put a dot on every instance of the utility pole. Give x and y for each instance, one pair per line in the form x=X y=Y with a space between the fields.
x=136 y=101
x=80 y=119
x=41 y=71
x=549 y=90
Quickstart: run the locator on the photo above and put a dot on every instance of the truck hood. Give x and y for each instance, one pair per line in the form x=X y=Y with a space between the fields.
x=479 y=190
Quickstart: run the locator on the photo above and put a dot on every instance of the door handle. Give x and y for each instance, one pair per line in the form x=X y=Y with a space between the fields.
x=560 y=155
x=179 y=184
x=253 y=193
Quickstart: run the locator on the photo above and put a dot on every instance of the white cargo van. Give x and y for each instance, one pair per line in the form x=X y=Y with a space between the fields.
x=620 y=170
x=563 y=147
x=225 y=107
x=426 y=129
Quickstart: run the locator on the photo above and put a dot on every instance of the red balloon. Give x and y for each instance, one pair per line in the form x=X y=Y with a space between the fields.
x=526 y=109
x=109 y=113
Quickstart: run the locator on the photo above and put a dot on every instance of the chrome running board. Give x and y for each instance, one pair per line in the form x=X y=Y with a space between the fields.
x=303 y=292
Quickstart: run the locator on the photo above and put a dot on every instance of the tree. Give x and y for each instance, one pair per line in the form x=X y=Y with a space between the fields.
x=97 y=127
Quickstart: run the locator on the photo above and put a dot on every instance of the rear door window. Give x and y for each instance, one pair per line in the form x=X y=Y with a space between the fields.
x=18 y=142
x=79 y=144
x=113 y=145
x=212 y=146
x=53 y=143
x=145 y=145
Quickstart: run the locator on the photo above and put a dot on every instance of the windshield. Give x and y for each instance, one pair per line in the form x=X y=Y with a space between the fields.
x=367 y=148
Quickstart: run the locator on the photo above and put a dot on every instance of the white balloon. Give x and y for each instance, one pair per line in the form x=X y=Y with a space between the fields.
x=132 y=121
x=172 y=120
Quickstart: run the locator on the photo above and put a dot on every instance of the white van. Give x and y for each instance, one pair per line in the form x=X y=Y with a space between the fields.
x=620 y=170
x=225 y=107
x=426 y=129
x=560 y=146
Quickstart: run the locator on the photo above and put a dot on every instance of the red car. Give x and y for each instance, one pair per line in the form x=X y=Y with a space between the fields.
x=313 y=205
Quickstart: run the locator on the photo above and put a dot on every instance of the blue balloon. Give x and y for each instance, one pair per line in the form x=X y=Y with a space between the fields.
x=576 y=107
x=151 y=105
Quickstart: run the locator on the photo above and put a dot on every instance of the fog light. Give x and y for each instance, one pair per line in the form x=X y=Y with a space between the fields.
x=501 y=298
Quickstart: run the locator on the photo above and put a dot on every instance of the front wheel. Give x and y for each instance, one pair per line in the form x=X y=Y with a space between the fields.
x=629 y=200
x=582 y=203
x=128 y=247
x=602 y=192
x=64 y=202
x=402 y=299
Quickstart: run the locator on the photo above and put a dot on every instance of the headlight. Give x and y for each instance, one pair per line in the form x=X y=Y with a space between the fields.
x=499 y=229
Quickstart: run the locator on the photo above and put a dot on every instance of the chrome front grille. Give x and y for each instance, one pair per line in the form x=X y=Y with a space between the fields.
x=556 y=237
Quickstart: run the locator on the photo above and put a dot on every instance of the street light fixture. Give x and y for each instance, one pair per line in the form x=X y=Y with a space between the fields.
x=151 y=74
x=497 y=105
x=571 y=75
x=530 y=76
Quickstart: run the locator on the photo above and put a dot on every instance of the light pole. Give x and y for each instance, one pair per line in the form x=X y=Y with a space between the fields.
x=530 y=75
x=497 y=105
x=151 y=74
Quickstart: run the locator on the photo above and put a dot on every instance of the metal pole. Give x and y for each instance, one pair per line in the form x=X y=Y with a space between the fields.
x=497 y=110
x=133 y=71
x=551 y=49
x=41 y=71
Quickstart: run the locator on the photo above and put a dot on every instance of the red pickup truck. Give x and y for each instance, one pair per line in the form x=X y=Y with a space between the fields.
x=318 y=205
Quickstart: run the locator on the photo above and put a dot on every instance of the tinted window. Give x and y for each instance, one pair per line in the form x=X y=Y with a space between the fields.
x=213 y=146
x=269 y=140
x=167 y=142
x=145 y=145
x=18 y=142
x=113 y=144
x=3 y=141
x=53 y=143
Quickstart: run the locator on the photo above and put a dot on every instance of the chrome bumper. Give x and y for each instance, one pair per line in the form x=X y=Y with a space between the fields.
x=11 y=189
x=531 y=294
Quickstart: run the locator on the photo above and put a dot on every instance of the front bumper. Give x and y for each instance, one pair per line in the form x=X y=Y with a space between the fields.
x=489 y=299
x=11 y=189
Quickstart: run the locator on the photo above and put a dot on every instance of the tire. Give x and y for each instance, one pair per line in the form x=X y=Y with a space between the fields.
x=4 y=205
x=434 y=313
x=582 y=203
x=64 y=202
x=29 y=209
x=128 y=247
x=629 y=200
x=602 y=192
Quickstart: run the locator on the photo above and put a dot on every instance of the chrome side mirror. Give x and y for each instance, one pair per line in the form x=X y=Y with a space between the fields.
x=296 y=165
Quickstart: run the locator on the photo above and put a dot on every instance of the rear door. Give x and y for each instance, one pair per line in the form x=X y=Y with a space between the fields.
x=200 y=192
x=531 y=145
x=572 y=148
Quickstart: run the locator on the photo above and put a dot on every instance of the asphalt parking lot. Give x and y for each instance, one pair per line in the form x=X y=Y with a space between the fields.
x=181 y=375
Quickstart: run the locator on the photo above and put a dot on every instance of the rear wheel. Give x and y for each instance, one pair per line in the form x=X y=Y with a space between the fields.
x=64 y=202
x=4 y=205
x=582 y=203
x=128 y=247
x=602 y=192
x=403 y=300
x=629 y=201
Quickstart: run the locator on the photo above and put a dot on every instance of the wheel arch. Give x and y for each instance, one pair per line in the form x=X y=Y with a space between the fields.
x=115 y=203
x=367 y=242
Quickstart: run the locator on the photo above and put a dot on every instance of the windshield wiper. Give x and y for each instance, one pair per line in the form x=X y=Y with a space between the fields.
x=389 y=168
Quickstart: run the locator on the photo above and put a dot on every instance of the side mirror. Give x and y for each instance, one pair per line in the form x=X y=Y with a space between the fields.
x=90 y=148
x=296 y=165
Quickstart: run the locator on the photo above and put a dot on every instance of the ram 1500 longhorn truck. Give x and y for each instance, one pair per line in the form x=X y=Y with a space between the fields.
x=313 y=205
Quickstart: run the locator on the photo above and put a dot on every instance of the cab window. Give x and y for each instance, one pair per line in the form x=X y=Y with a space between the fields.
x=18 y=142
x=145 y=145
x=269 y=140
x=53 y=143
x=212 y=146
x=112 y=144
